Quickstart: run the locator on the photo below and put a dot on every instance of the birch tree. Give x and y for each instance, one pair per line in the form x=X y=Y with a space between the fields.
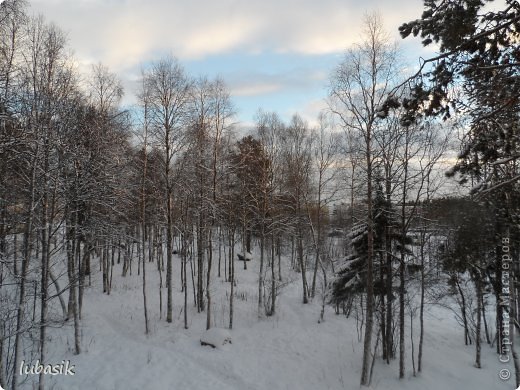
x=168 y=99
x=359 y=87
x=298 y=156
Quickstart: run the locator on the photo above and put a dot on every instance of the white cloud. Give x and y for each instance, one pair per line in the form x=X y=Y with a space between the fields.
x=255 y=88
x=311 y=111
x=293 y=80
x=122 y=33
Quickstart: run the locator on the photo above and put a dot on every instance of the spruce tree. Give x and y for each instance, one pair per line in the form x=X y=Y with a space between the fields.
x=351 y=276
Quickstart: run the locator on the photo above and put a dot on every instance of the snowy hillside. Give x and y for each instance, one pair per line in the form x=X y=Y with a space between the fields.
x=290 y=350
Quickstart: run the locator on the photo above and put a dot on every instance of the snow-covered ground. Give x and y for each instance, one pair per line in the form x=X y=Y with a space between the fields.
x=289 y=351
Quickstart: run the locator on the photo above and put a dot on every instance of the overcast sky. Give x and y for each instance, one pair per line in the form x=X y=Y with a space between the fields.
x=273 y=54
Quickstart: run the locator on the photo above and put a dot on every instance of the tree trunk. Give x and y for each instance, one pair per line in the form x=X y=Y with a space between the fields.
x=412 y=343
x=143 y=248
x=273 y=277
x=219 y=249
x=200 y=266
x=184 y=279
x=160 y=269
x=72 y=247
x=401 y=314
x=367 y=345
x=303 y=267
x=3 y=385
x=402 y=260
x=421 y=309
x=279 y=246
x=261 y=272
x=318 y=238
x=23 y=276
x=231 y=276
x=478 y=289
x=75 y=311
x=44 y=285
x=60 y=297
x=467 y=338
x=208 y=280
x=389 y=283
x=486 y=330
x=169 y=252
x=382 y=305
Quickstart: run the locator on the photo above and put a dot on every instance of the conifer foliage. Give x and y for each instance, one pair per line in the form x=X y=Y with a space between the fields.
x=351 y=276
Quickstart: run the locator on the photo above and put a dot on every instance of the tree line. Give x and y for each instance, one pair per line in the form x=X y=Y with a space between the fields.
x=89 y=187
x=173 y=186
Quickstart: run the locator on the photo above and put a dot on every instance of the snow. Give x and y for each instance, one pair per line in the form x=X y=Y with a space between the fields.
x=216 y=337
x=248 y=257
x=287 y=351
x=355 y=279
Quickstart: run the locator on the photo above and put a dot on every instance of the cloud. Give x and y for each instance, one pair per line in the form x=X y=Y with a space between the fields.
x=292 y=80
x=124 y=32
x=255 y=88
x=310 y=111
x=275 y=54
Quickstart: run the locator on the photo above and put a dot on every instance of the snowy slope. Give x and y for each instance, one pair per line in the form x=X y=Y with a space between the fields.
x=288 y=351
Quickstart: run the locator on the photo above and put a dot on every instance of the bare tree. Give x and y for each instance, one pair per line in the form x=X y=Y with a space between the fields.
x=169 y=94
x=211 y=111
x=359 y=87
x=298 y=157
x=145 y=106
x=105 y=89
x=50 y=80
x=270 y=130
x=17 y=183
x=326 y=147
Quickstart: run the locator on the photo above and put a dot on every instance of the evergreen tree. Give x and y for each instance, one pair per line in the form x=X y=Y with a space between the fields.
x=351 y=276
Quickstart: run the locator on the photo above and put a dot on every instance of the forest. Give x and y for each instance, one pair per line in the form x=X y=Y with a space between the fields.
x=154 y=232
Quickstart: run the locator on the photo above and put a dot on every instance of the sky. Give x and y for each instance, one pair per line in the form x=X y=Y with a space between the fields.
x=273 y=54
